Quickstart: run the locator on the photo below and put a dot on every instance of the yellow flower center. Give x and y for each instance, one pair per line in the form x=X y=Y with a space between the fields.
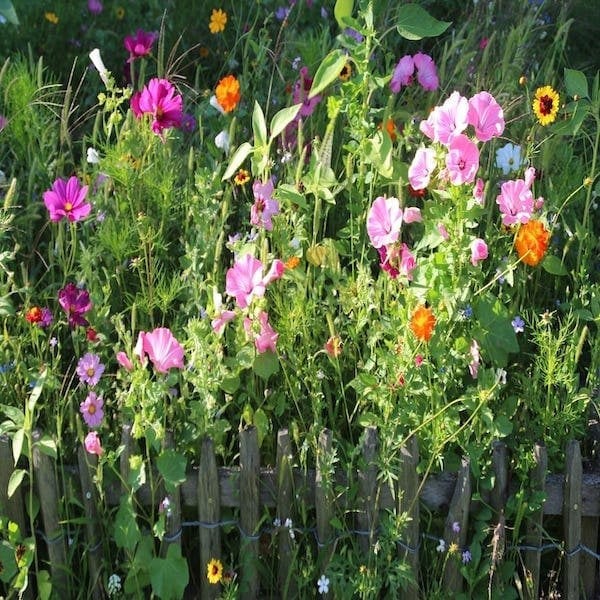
x=90 y=372
x=68 y=206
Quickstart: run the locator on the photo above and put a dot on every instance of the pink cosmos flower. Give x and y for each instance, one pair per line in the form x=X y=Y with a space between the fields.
x=75 y=302
x=462 y=160
x=90 y=369
x=421 y=168
x=91 y=410
x=164 y=351
x=140 y=44
x=264 y=207
x=515 y=202
x=384 y=221
x=267 y=339
x=479 y=251
x=92 y=443
x=160 y=99
x=95 y=7
x=426 y=72
x=67 y=199
x=447 y=120
x=403 y=73
x=475 y=356
x=486 y=116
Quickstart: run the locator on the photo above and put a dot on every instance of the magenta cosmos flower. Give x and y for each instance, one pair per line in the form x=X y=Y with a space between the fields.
x=67 y=199
x=486 y=116
x=91 y=410
x=92 y=444
x=264 y=207
x=244 y=281
x=163 y=350
x=160 y=100
x=75 y=302
x=90 y=369
x=140 y=44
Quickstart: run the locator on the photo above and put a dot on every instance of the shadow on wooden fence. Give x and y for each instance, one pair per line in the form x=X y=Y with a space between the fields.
x=250 y=488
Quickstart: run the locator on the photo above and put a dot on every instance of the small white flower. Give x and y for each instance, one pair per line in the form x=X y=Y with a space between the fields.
x=215 y=104
x=501 y=376
x=114 y=585
x=222 y=141
x=277 y=522
x=92 y=156
x=508 y=158
x=441 y=547
x=323 y=585
x=99 y=64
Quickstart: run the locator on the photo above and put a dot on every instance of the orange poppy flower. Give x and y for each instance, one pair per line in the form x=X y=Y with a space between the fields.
x=422 y=323
x=228 y=93
x=531 y=242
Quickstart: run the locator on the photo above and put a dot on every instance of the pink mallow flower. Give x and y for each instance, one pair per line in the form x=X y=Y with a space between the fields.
x=479 y=251
x=516 y=201
x=245 y=280
x=426 y=72
x=264 y=207
x=486 y=116
x=91 y=410
x=397 y=260
x=163 y=350
x=267 y=339
x=90 y=369
x=384 y=221
x=403 y=73
x=67 y=199
x=124 y=361
x=421 y=168
x=75 y=302
x=140 y=44
x=462 y=160
x=447 y=120
x=300 y=95
x=478 y=191
x=160 y=100
x=92 y=443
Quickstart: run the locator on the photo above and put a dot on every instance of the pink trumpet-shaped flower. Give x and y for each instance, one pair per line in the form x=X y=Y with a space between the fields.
x=384 y=221
x=140 y=44
x=163 y=350
x=244 y=280
x=479 y=251
x=267 y=339
x=403 y=73
x=67 y=199
x=486 y=116
x=426 y=72
x=421 y=168
x=92 y=443
x=447 y=120
x=462 y=160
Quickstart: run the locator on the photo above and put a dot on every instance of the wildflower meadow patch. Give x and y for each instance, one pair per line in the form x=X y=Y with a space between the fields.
x=298 y=299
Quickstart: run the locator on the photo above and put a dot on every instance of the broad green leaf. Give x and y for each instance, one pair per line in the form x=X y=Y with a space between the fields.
x=137 y=472
x=259 y=126
x=6 y=307
x=47 y=446
x=169 y=576
x=16 y=477
x=496 y=334
x=44 y=585
x=290 y=195
x=171 y=465
x=36 y=392
x=415 y=23
x=137 y=574
x=343 y=10
x=7 y=10
x=261 y=422
x=14 y=414
x=328 y=72
x=17 y=444
x=282 y=119
x=266 y=364
x=503 y=426
x=576 y=83
x=239 y=156
x=553 y=265
x=230 y=384
x=126 y=533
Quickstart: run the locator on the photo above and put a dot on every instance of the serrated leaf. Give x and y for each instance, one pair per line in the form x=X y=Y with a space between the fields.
x=342 y=11
x=16 y=477
x=282 y=119
x=239 y=156
x=328 y=72
x=415 y=23
x=576 y=83
x=553 y=265
x=266 y=364
x=171 y=465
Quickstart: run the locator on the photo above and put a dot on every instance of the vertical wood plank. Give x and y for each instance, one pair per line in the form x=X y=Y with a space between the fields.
x=368 y=513
x=458 y=512
x=285 y=490
x=209 y=513
x=249 y=511
x=88 y=464
x=572 y=519
x=173 y=529
x=589 y=538
x=408 y=502
x=498 y=501
x=532 y=558
x=44 y=475
x=324 y=498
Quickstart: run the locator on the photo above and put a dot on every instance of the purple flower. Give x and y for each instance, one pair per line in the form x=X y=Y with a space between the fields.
x=355 y=35
x=90 y=369
x=67 y=199
x=456 y=527
x=47 y=318
x=75 y=302
x=264 y=207
x=95 y=7
x=403 y=73
x=518 y=324
x=188 y=123
x=160 y=99
x=140 y=44
x=282 y=13
x=3 y=122
x=91 y=410
x=466 y=557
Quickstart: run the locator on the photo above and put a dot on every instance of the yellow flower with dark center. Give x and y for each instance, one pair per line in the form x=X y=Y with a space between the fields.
x=242 y=177
x=120 y=13
x=214 y=571
x=51 y=17
x=545 y=104
x=346 y=72
x=218 y=20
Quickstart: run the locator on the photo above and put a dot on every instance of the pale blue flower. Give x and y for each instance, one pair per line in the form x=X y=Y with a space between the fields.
x=508 y=158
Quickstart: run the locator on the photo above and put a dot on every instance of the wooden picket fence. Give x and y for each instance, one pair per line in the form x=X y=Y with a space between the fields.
x=250 y=489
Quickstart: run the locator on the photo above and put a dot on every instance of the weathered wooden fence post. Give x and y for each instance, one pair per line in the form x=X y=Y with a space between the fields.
x=324 y=498
x=209 y=514
x=285 y=490
x=249 y=511
x=572 y=519
x=498 y=502
x=368 y=510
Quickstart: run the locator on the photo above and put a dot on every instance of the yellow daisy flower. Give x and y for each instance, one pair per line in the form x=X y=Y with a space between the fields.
x=218 y=20
x=214 y=571
x=120 y=13
x=51 y=17
x=545 y=104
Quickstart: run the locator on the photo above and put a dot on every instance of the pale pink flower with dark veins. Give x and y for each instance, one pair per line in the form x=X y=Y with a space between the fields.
x=479 y=251
x=515 y=202
x=426 y=72
x=244 y=280
x=384 y=221
x=462 y=160
x=264 y=207
x=486 y=116
x=67 y=199
x=163 y=350
x=403 y=73
x=421 y=168
x=447 y=120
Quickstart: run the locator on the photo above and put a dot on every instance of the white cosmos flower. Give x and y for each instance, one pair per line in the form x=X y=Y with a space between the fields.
x=222 y=141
